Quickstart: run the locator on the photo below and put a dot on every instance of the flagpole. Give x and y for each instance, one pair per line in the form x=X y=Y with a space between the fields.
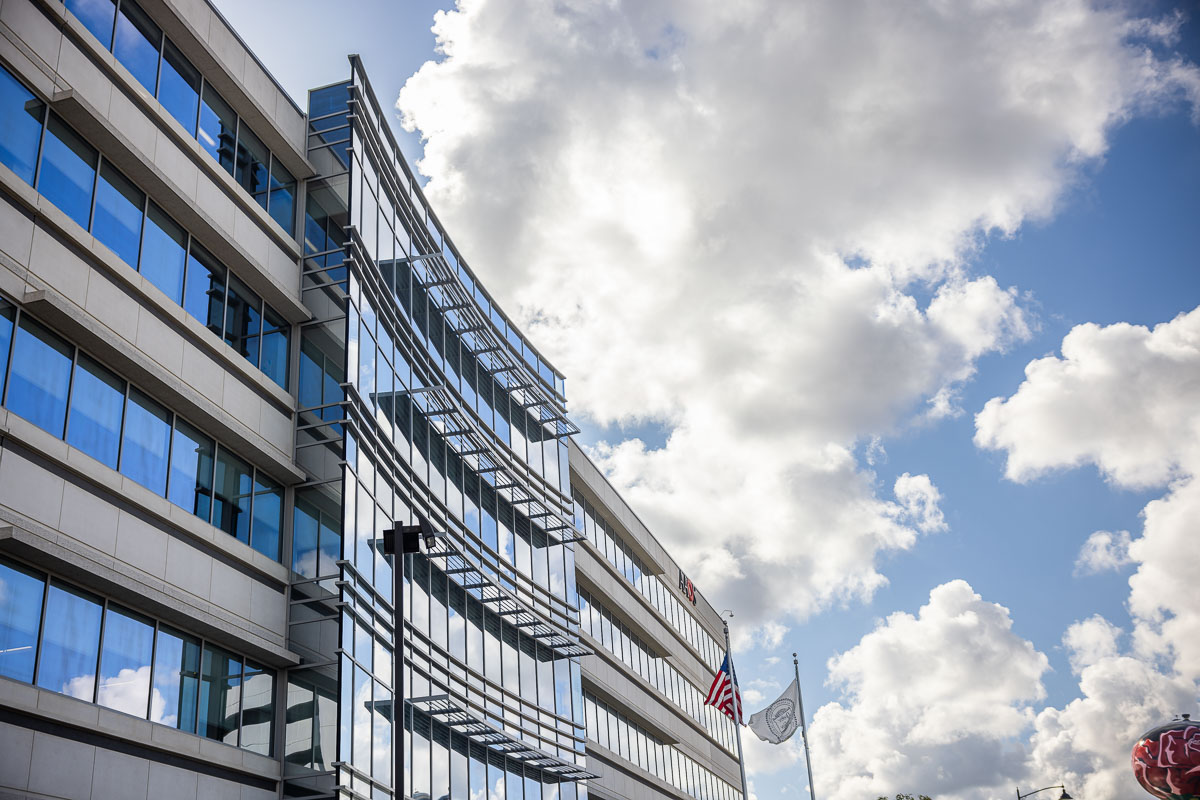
x=812 y=791
x=737 y=705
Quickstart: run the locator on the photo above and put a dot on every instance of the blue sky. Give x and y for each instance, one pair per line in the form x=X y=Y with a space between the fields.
x=603 y=196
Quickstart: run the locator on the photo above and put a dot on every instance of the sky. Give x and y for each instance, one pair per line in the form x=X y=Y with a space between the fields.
x=884 y=317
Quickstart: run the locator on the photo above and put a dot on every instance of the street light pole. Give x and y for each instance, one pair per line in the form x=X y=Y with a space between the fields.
x=409 y=542
x=1063 y=796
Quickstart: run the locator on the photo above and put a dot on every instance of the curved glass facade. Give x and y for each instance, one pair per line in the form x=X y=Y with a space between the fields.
x=419 y=401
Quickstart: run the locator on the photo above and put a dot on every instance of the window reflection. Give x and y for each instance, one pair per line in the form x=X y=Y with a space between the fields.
x=137 y=44
x=97 y=403
x=39 y=376
x=145 y=442
x=233 y=488
x=21 y=593
x=97 y=16
x=21 y=115
x=68 y=171
x=125 y=662
x=220 y=695
x=118 y=215
x=179 y=87
x=176 y=680
x=70 y=642
x=191 y=470
x=164 y=249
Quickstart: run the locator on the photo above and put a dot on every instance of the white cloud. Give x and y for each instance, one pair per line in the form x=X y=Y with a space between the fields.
x=931 y=703
x=1122 y=397
x=1102 y=552
x=748 y=223
x=1126 y=399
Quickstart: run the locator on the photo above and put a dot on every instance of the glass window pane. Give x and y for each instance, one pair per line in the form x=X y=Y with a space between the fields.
x=118 y=217
x=41 y=374
x=21 y=593
x=253 y=159
x=283 y=196
x=68 y=171
x=137 y=44
x=8 y=313
x=268 y=516
x=190 y=486
x=97 y=400
x=145 y=442
x=231 y=500
x=179 y=87
x=176 y=680
x=70 y=643
x=258 y=709
x=125 y=662
x=204 y=292
x=21 y=115
x=164 y=250
x=243 y=320
x=220 y=695
x=97 y=16
x=218 y=128
x=274 y=361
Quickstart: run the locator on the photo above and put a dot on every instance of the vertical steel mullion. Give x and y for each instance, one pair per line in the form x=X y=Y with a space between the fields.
x=212 y=486
x=170 y=451
x=70 y=388
x=100 y=650
x=37 y=163
x=142 y=235
x=12 y=346
x=121 y=441
x=153 y=661
x=162 y=46
x=112 y=48
x=95 y=190
x=37 y=661
x=199 y=106
x=241 y=698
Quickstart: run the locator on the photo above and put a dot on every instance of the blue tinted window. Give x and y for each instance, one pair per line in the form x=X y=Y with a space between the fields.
x=179 y=87
x=40 y=377
x=20 y=126
x=258 y=709
x=204 y=291
x=268 y=516
x=125 y=662
x=68 y=171
x=176 y=680
x=231 y=498
x=145 y=442
x=70 y=643
x=97 y=16
x=164 y=251
x=218 y=128
x=97 y=399
x=137 y=45
x=191 y=470
x=328 y=100
x=274 y=361
x=283 y=196
x=253 y=160
x=7 y=314
x=243 y=320
x=118 y=217
x=20 y=620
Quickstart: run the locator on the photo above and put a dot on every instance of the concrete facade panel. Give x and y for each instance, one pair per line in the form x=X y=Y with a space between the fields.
x=165 y=780
x=54 y=263
x=16 y=753
x=112 y=305
x=142 y=545
x=89 y=519
x=30 y=489
x=159 y=342
x=117 y=776
x=61 y=767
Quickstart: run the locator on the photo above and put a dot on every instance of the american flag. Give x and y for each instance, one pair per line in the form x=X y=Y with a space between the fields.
x=724 y=694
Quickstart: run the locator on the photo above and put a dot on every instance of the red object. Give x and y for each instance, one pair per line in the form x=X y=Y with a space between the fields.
x=1166 y=760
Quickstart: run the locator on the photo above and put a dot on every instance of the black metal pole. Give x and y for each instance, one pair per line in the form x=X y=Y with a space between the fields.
x=410 y=542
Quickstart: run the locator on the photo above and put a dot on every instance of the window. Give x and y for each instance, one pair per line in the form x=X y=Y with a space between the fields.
x=268 y=516
x=179 y=87
x=125 y=661
x=97 y=16
x=39 y=377
x=218 y=128
x=118 y=215
x=231 y=498
x=190 y=485
x=21 y=594
x=145 y=442
x=243 y=320
x=7 y=314
x=220 y=695
x=21 y=115
x=204 y=291
x=176 y=680
x=97 y=402
x=164 y=252
x=70 y=642
x=137 y=44
x=68 y=172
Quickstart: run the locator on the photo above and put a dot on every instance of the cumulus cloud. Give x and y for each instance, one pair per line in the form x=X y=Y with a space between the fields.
x=752 y=225
x=933 y=701
x=1102 y=552
x=1125 y=399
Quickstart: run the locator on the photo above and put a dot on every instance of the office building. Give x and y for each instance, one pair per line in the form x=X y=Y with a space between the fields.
x=236 y=349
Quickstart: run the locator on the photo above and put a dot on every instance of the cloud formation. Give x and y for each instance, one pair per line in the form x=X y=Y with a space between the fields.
x=932 y=702
x=1126 y=399
x=751 y=224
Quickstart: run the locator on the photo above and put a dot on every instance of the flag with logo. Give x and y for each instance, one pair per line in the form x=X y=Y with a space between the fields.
x=724 y=694
x=778 y=722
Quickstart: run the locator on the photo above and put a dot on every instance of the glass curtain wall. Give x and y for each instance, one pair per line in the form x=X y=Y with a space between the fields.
x=390 y=429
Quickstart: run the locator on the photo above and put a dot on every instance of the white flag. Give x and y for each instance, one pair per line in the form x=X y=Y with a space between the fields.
x=777 y=722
